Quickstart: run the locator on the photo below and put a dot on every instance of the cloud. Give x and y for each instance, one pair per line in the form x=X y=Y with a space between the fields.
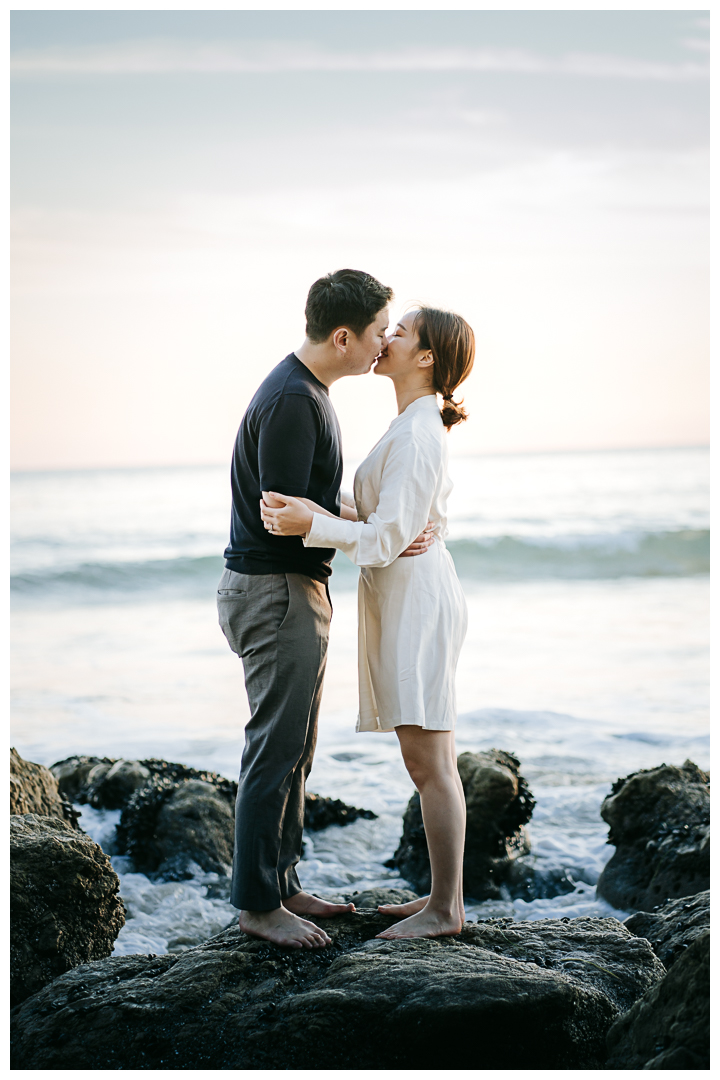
x=174 y=57
x=697 y=44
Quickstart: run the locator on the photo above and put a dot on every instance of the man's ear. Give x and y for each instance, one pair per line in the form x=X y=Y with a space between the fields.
x=340 y=338
x=427 y=360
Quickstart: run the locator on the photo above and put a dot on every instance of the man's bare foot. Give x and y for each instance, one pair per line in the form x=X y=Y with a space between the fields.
x=303 y=903
x=403 y=910
x=283 y=928
x=425 y=923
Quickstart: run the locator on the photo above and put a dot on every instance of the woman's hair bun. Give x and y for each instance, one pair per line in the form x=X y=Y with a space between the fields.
x=452 y=343
x=452 y=412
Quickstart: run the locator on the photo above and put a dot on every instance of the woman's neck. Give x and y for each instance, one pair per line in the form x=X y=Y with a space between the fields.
x=407 y=394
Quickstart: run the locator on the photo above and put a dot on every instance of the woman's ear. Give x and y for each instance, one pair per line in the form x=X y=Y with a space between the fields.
x=427 y=360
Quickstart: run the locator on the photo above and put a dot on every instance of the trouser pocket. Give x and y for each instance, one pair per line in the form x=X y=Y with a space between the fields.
x=251 y=608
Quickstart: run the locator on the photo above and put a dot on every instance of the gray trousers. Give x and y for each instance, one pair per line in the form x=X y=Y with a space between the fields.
x=278 y=624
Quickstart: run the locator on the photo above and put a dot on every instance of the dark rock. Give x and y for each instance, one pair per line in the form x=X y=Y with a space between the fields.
x=173 y=829
x=536 y=995
x=114 y=787
x=660 y=824
x=669 y=1028
x=499 y=804
x=72 y=774
x=527 y=878
x=673 y=927
x=321 y=812
x=34 y=790
x=64 y=903
x=109 y=783
x=370 y=898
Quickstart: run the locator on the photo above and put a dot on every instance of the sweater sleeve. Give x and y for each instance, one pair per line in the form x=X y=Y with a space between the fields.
x=407 y=486
x=288 y=436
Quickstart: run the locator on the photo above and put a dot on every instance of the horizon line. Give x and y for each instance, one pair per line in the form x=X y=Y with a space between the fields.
x=664 y=448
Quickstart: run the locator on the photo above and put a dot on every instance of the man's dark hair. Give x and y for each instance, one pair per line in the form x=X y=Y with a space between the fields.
x=346 y=298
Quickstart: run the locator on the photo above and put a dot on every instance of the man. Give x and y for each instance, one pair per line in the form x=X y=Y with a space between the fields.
x=274 y=603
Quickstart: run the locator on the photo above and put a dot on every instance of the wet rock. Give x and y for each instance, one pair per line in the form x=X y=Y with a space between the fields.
x=64 y=903
x=673 y=928
x=526 y=878
x=499 y=804
x=109 y=783
x=370 y=898
x=173 y=829
x=34 y=790
x=669 y=1028
x=536 y=995
x=660 y=825
x=321 y=812
x=72 y=775
x=113 y=790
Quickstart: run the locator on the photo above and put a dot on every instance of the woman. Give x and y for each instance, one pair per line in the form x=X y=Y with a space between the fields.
x=412 y=612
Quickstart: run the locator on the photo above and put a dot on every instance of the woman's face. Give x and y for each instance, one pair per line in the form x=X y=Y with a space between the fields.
x=400 y=356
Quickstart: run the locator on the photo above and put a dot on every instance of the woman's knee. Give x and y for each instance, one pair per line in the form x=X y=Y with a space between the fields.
x=418 y=770
x=425 y=767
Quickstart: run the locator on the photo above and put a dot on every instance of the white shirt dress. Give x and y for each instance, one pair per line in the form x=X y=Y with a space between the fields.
x=412 y=614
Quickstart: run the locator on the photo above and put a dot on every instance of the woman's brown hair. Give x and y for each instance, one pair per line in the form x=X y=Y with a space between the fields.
x=452 y=343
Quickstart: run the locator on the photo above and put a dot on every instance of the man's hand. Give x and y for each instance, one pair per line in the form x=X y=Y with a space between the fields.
x=420 y=545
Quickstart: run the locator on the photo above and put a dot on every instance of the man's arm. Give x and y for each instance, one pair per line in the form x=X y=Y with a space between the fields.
x=286 y=445
x=347 y=506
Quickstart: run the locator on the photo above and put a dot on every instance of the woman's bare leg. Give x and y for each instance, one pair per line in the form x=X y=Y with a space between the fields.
x=430 y=760
x=411 y=907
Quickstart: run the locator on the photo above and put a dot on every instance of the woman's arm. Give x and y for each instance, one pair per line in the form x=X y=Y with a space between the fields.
x=296 y=517
x=347 y=511
x=409 y=478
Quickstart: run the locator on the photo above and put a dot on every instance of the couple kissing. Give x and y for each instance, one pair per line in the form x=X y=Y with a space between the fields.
x=288 y=519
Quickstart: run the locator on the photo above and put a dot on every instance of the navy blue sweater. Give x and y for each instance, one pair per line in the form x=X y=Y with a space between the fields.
x=289 y=441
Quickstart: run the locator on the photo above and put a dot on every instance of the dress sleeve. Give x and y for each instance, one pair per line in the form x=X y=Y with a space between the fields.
x=407 y=485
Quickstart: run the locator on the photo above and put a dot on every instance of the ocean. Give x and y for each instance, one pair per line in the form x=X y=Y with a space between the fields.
x=586 y=576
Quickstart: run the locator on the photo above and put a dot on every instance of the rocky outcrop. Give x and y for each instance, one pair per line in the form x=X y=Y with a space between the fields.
x=669 y=1028
x=109 y=783
x=64 y=903
x=499 y=804
x=321 y=812
x=660 y=825
x=169 y=831
x=673 y=928
x=174 y=829
x=73 y=775
x=370 y=898
x=34 y=790
x=538 y=995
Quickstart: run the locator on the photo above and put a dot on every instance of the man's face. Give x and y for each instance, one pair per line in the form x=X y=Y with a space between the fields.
x=361 y=352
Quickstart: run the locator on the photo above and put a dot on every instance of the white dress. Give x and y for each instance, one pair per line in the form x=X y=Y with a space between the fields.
x=412 y=612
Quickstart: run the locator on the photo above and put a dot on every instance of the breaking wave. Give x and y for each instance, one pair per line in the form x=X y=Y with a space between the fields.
x=676 y=553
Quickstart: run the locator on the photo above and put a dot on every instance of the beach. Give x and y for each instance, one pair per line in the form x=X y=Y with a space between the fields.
x=586 y=576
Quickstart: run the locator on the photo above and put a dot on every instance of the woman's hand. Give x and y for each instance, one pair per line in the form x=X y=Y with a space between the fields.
x=292 y=517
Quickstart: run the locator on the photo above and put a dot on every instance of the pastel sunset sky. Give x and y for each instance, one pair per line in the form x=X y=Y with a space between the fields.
x=180 y=178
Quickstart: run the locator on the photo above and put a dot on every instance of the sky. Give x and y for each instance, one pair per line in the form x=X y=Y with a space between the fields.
x=180 y=178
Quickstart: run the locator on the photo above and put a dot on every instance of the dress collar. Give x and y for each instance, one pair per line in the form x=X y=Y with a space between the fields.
x=427 y=401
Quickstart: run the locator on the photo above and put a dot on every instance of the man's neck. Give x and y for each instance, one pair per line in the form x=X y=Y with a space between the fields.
x=321 y=360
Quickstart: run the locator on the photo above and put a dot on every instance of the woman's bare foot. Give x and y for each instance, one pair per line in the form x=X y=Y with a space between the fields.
x=303 y=903
x=403 y=910
x=425 y=923
x=283 y=928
